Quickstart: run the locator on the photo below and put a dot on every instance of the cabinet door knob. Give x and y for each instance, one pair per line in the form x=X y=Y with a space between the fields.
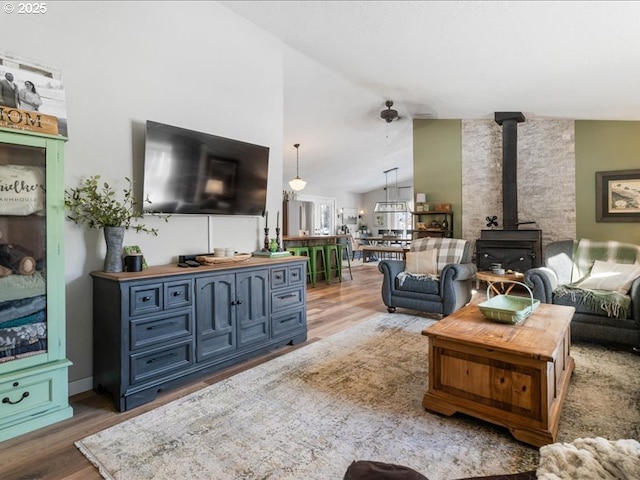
x=146 y=299
x=176 y=294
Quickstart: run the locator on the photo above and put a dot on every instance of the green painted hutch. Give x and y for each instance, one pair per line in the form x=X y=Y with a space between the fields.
x=33 y=363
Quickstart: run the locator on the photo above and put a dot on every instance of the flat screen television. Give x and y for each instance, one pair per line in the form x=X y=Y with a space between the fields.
x=189 y=172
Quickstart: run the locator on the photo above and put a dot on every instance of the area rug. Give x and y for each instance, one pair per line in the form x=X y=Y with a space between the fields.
x=353 y=396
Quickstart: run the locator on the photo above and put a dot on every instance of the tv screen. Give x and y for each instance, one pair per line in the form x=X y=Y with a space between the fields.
x=188 y=172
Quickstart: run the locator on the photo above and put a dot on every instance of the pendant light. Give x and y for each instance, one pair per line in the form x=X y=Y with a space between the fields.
x=390 y=206
x=297 y=183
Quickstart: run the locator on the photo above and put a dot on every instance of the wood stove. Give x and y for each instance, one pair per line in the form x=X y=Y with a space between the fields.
x=517 y=250
x=514 y=249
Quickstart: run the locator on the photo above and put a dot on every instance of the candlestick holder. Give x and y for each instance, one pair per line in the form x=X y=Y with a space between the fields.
x=280 y=249
x=266 y=240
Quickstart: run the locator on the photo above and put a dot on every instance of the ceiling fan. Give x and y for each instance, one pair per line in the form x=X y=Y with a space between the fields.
x=389 y=115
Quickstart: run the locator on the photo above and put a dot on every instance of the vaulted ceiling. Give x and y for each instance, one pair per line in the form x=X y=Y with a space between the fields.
x=438 y=59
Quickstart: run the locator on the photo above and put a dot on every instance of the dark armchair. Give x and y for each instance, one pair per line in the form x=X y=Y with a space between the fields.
x=443 y=293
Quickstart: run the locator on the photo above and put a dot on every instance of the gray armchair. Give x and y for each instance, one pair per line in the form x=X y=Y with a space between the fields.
x=451 y=290
x=589 y=322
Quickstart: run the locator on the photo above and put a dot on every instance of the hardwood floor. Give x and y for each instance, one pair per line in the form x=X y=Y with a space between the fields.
x=50 y=453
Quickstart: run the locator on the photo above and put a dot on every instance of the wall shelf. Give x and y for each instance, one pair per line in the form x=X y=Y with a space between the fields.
x=444 y=219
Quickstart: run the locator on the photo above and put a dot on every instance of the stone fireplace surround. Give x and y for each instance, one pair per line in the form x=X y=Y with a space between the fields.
x=545 y=170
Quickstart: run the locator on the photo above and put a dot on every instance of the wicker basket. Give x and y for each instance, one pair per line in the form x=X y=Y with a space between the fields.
x=509 y=308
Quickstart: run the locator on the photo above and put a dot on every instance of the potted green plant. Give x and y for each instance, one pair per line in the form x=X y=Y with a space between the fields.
x=96 y=206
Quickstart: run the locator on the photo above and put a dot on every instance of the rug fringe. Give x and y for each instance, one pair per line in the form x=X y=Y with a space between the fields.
x=94 y=460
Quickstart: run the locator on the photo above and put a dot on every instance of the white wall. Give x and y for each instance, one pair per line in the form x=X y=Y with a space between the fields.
x=190 y=64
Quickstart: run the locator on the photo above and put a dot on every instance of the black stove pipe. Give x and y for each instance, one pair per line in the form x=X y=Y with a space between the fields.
x=509 y=122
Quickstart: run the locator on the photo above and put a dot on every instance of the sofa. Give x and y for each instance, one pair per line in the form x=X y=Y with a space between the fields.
x=570 y=277
x=435 y=276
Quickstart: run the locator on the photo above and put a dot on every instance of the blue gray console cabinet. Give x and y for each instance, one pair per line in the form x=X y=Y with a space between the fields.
x=156 y=329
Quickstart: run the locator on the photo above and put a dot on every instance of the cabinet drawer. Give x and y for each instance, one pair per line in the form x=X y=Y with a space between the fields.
x=288 y=299
x=279 y=277
x=288 y=322
x=162 y=361
x=288 y=275
x=27 y=395
x=161 y=328
x=297 y=274
x=177 y=294
x=145 y=299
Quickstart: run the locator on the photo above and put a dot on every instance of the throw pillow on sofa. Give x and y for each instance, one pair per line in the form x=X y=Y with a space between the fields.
x=610 y=276
x=422 y=263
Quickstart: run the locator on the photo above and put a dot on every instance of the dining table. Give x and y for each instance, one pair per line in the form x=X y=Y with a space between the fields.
x=385 y=240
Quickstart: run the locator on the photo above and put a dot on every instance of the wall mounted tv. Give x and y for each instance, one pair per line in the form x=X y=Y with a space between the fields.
x=188 y=172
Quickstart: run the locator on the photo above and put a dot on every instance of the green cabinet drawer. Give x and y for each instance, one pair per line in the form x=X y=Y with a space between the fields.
x=29 y=395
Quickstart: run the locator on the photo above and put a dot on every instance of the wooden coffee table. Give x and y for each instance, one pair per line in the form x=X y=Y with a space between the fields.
x=516 y=376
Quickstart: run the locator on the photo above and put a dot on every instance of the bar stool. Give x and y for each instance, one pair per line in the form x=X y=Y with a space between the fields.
x=342 y=248
x=311 y=264
x=329 y=268
x=314 y=250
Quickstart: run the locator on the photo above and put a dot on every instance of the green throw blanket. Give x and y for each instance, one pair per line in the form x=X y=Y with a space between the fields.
x=585 y=253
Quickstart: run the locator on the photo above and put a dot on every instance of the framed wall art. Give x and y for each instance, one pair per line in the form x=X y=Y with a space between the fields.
x=350 y=216
x=618 y=196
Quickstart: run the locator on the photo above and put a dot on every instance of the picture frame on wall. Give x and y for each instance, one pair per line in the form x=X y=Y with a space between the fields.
x=618 y=196
x=350 y=216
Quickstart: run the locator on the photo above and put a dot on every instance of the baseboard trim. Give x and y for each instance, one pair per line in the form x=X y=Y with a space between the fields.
x=79 y=386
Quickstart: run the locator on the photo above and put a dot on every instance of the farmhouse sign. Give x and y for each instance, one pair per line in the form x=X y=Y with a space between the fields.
x=28 y=120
